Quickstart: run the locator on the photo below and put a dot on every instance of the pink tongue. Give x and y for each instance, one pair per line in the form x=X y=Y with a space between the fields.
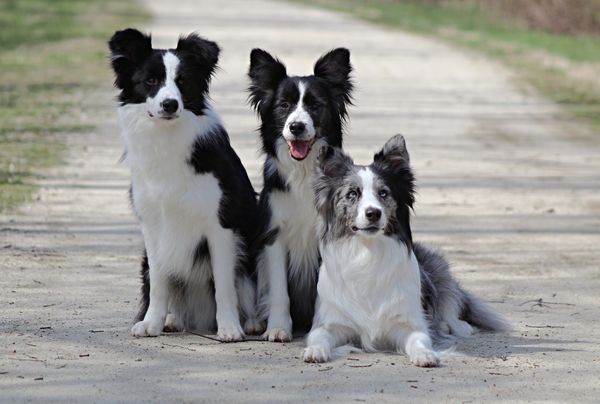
x=299 y=148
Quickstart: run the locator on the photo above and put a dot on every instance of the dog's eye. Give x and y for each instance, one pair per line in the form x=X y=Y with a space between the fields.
x=383 y=193
x=351 y=195
x=284 y=105
x=151 y=81
x=180 y=81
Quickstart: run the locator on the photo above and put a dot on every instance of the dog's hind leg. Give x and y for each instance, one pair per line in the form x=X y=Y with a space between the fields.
x=177 y=307
x=145 y=290
x=450 y=310
x=247 y=298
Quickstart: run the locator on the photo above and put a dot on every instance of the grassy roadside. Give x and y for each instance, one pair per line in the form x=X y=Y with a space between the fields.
x=561 y=67
x=52 y=53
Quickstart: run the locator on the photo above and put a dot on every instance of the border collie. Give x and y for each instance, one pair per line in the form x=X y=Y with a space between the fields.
x=299 y=115
x=376 y=288
x=192 y=195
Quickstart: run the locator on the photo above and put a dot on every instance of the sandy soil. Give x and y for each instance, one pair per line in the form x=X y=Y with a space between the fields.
x=507 y=186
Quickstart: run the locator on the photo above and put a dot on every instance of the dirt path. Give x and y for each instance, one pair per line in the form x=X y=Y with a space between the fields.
x=507 y=187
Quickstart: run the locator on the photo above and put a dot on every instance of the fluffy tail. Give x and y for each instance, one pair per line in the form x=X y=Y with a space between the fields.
x=481 y=315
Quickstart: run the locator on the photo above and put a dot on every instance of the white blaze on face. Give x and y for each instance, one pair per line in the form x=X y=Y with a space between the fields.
x=169 y=90
x=299 y=144
x=368 y=199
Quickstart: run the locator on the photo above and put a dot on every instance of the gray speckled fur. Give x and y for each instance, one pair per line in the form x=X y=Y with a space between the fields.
x=439 y=288
x=443 y=299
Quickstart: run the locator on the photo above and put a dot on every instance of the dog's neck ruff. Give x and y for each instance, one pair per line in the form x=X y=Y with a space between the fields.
x=371 y=283
x=364 y=256
x=149 y=139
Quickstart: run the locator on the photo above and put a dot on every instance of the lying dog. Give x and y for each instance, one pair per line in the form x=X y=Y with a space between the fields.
x=376 y=288
x=192 y=195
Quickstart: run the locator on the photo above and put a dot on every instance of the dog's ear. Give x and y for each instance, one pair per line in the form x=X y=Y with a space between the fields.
x=393 y=162
x=332 y=165
x=266 y=73
x=394 y=153
x=203 y=51
x=332 y=162
x=128 y=49
x=334 y=67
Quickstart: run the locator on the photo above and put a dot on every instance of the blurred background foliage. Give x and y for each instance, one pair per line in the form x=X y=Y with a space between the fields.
x=553 y=46
x=52 y=54
x=571 y=17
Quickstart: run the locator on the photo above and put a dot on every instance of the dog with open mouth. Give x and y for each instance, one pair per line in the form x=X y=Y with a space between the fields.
x=299 y=115
x=378 y=290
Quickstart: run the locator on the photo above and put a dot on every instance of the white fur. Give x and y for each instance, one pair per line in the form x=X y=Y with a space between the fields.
x=369 y=291
x=169 y=90
x=293 y=212
x=368 y=199
x=177 y=208
x=223 y=245
x=299 y=115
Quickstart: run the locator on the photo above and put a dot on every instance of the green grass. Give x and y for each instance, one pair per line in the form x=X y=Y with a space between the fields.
x=567 y=75
x=52 y=53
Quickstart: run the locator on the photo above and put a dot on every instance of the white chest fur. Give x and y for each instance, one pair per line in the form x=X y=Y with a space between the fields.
x=293 y=211
x=177 y=206
x=370 y=285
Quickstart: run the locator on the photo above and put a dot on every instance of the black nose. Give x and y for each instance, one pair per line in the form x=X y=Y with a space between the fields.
x=169 y=105
x=373 y=214
x=297 y=128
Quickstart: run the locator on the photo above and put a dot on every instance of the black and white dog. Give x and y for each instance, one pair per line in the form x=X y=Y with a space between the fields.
x=377 y=289
x=299 y=115
x=196 y=205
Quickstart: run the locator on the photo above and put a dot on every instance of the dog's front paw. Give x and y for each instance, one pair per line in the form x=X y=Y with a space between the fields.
x=277 y=335
x=230 y=333
x=316 y=354
x=254 y=327
x=146 y=329
x=425 y=358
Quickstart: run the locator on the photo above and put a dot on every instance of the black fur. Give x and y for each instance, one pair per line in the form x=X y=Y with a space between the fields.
x=238 y=210
x=145 y=290
x=274 y=95
x=272 y=180
x=328 y=94
x=392 y=163
x=140 y=71
x=202 y=252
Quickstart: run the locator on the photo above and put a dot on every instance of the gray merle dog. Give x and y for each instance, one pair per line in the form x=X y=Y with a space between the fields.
x=377 y=289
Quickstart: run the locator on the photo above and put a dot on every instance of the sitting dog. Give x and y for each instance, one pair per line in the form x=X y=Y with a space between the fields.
x=376 y=288
x=299 y=115
x=196 y=205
